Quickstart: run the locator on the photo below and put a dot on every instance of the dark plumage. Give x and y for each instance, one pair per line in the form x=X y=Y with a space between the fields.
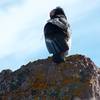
x=56 y=34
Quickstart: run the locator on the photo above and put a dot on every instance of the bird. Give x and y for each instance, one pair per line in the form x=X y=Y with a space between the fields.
x=57 y=34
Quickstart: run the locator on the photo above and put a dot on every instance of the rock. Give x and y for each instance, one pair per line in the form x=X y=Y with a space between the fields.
x=76 y=79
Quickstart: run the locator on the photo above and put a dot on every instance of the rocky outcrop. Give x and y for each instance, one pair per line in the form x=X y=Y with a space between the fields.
x=76 y=79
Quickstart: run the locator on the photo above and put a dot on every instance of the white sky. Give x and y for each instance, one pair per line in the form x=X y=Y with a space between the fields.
x=22 y=21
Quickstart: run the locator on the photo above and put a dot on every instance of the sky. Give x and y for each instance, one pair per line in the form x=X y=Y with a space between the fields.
x=22 y=23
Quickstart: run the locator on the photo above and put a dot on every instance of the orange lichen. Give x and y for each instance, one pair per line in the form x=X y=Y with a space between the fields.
x=40 y=85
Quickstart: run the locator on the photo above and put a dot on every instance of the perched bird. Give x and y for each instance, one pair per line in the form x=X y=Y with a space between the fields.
x=57 y=35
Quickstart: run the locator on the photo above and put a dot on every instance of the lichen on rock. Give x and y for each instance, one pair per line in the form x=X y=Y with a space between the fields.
x=78 y=78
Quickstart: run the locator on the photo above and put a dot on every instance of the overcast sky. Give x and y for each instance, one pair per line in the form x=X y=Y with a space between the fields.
x=21 y=29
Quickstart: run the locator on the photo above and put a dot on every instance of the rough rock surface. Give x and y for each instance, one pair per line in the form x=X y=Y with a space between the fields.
x=76 y=79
